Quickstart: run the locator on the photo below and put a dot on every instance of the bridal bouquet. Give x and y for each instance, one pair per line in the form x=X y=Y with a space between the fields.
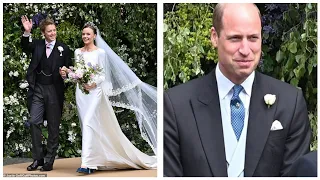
x=83 y=73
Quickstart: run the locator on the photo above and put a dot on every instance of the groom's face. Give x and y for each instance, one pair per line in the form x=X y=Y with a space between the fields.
x=239 y=41
x=50 y=33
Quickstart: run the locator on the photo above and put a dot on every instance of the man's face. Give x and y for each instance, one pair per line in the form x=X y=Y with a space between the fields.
x=239 y=42
x=50 y=33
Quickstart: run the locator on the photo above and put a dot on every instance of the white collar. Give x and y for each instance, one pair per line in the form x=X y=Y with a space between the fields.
x=52 y=43
x=225 y=85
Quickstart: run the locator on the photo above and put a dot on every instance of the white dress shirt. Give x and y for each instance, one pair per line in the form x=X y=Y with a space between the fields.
x=52 y=44
x=235 y=150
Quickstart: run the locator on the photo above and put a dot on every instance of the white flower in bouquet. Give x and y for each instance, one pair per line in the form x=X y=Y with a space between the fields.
x=79 y=73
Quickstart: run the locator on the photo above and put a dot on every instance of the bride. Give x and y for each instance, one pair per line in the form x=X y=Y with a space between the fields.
x=104 y=146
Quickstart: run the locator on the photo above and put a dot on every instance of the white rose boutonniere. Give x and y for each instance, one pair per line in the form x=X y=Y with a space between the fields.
x=269 y=99
x=60 y=49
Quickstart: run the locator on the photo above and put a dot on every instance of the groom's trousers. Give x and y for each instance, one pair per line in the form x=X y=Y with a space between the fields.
x=45 y=104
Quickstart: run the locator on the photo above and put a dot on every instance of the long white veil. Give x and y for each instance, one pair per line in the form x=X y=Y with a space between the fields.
x=126 y=90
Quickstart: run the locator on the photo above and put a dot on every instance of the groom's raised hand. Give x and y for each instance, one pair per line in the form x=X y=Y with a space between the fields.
x=27 y=24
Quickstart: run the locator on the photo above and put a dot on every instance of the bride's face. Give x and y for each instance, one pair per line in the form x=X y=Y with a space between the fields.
x=88 y=36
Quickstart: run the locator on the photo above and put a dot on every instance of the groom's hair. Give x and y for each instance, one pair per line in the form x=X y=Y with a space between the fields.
x=46 y=22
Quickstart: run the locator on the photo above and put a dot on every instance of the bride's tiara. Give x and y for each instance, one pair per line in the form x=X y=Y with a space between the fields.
x=91 y=24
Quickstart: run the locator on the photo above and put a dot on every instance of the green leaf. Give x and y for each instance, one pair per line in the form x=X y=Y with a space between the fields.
x=310 y=68
x=201 y=49
x=193 y=51
x=296 y=72
x=265 y=36
x=179 y=38
x=165 y=27
x=309 y=5
x=197 y=70
x=66 y=154
x=171 y=39
x=298 y=58
x=279 y=56
x=293 y=47
x=302 y=71
x=182 y=77
x=70 y=151
x=186 y=31
x=45 y=133
x=294 y=82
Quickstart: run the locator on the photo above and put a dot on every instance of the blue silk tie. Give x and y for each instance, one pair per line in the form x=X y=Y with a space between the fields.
x=237 y=111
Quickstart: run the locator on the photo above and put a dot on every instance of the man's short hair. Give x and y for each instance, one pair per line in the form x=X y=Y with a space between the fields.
x=217 y=17
x=46 y=22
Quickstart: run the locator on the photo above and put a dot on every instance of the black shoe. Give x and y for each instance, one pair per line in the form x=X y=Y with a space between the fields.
x=47 y=167
x=35 y=165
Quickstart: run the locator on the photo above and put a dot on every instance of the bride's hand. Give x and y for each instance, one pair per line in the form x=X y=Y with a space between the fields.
x=89 y=87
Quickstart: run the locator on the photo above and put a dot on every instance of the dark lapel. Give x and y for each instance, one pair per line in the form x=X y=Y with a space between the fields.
x=54 y=56
x=259 y=123
x=207 y=113
x=40 y=51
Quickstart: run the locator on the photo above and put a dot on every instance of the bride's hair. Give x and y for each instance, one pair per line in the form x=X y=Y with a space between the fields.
x=92 y=26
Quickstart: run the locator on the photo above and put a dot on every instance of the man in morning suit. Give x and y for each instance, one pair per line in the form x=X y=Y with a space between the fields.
x=46 y=89
x=234 y=121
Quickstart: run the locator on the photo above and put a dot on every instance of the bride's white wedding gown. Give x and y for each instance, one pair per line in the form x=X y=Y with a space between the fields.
x=104 y=146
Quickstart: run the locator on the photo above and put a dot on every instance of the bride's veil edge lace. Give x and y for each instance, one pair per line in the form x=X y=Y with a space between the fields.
x=125 y=90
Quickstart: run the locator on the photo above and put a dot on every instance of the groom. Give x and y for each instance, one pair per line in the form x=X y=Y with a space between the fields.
x=223 y=124
x=46 y=88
